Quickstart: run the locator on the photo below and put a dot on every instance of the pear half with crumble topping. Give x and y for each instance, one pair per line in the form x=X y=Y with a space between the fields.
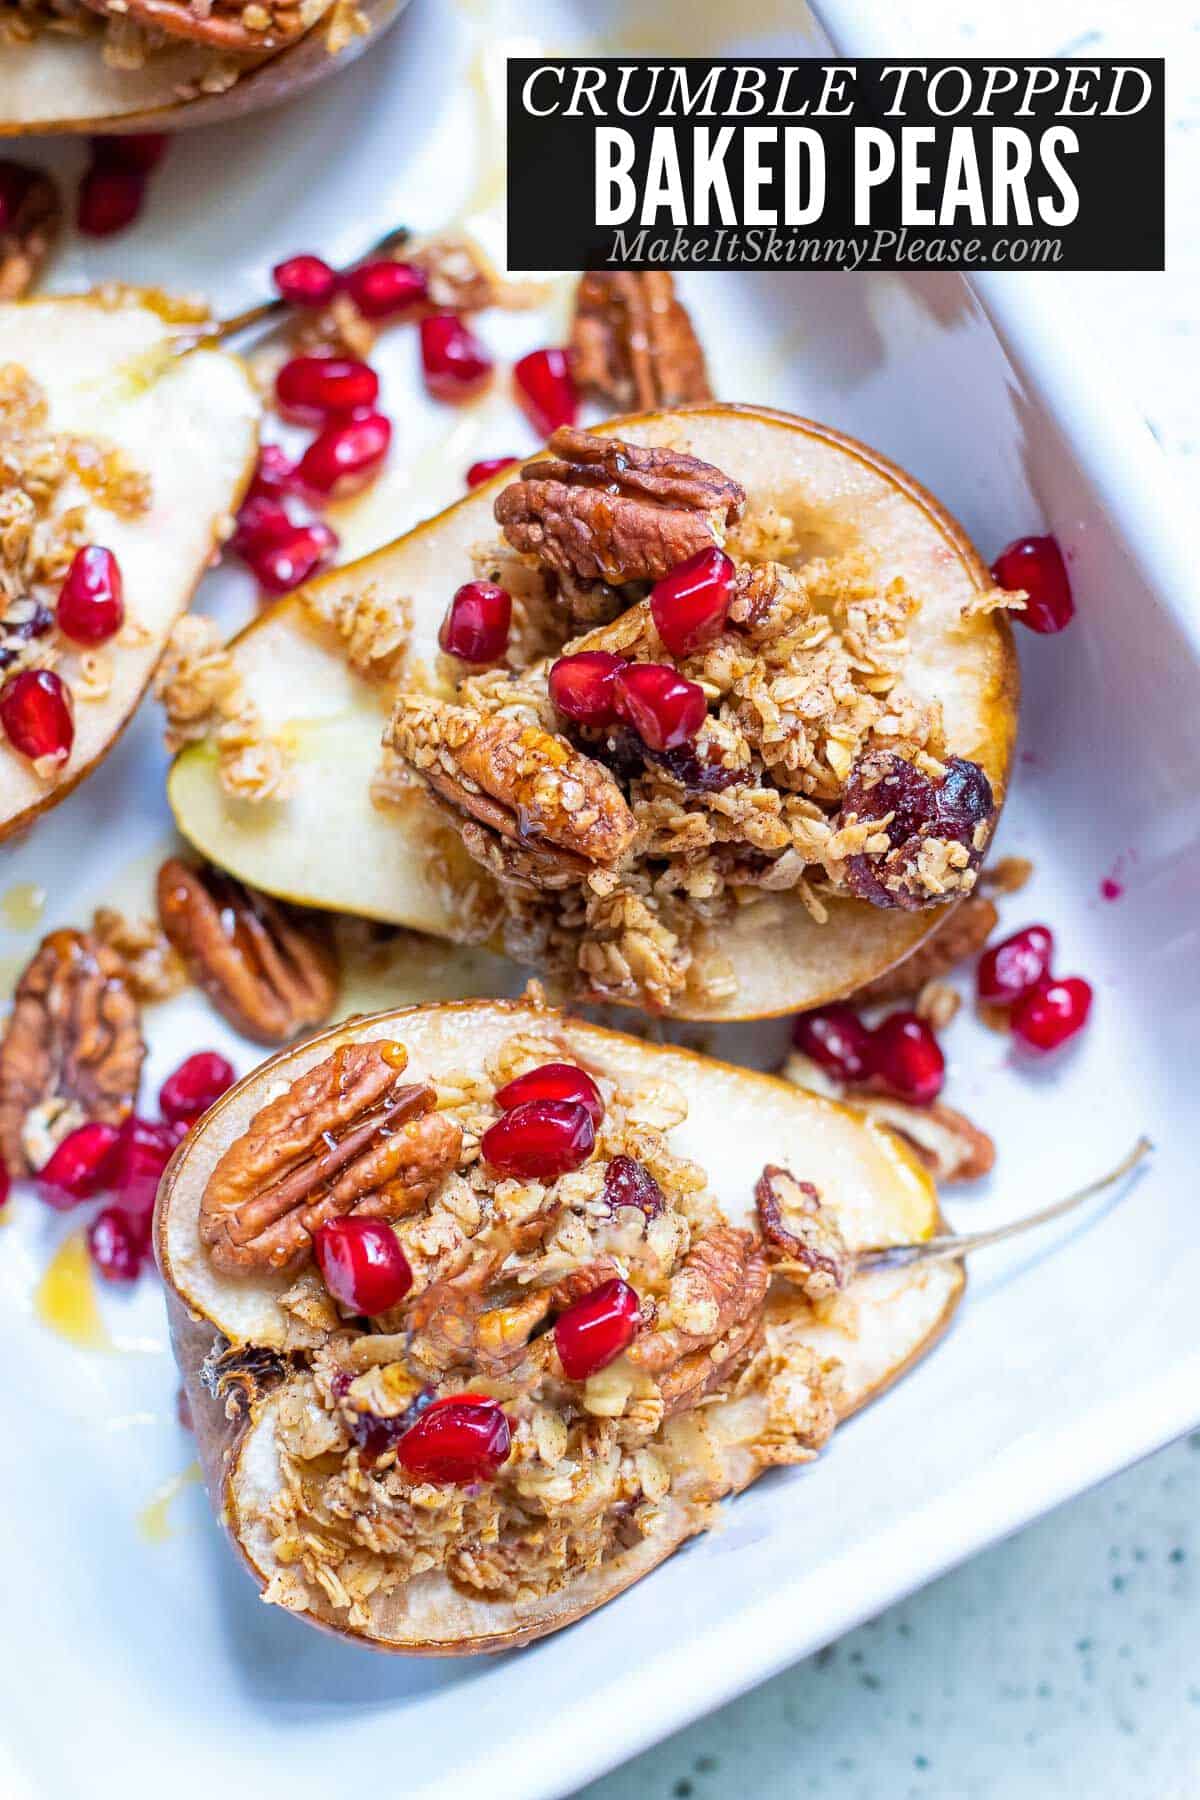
x=189 y=425
x=331 y=845
x=882 y=1323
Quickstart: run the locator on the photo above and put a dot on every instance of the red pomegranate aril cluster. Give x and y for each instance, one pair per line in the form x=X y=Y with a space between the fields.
x=476 y=627
x=1052 y=1014
x=283 y=563
x=305 y=281
x=309 y=390
x=595 y=1330
x=482 y=471
x=383 y=289
x=139 y=150
x=545 y=390
x=344 y=458
x=906 y=1058
x=142 y=1151
x=1008 y=970
x=459 y=1440
x=113 y=188
x=1044 y=1012
x=196 y=1085
x=455 y=364
x=690 y=605
x=91 y=601
x=661 y=706
x=540 y=1140
x=274 y=475
x=79 y=1167
x=118 y=1244
x=362 y=1264
x=553 y=1081
x=837 y=1040
x=36 y=713
x=1036 y=564
x=581 y=686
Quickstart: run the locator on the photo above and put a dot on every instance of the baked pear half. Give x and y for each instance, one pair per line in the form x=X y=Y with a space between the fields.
x=785 y=805
x=162 y=64
x=480 y=1308
x=111 y=445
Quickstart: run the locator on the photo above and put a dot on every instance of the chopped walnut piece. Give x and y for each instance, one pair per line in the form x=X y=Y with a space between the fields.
x=600 y=509
x=348 y=1137
x=633 y=343
x=803 y=1239
x=73 y=1042
x=267 y=968
x=30 y=231
x=964 y=933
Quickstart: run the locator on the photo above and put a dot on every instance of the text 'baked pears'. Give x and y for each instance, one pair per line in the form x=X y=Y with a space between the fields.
x=108 y=440
x=840 y=555
x=324 y=1435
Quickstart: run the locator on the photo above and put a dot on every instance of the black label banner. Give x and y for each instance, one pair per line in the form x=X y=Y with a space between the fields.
x=642 y=163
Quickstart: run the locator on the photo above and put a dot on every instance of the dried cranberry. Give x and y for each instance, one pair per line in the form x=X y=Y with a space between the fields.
x=345 y=457
x=476 y=627
x=141 y=1153
x=117 y=1244
x=663 y=708
x=110 y=199
x=836 y=1038
x=195 y=1085
x=553 y=1081
x=482 y=471
x=80 y=1166
x=310 y=389
x=690 y=605
x=594 y=1332
x=906 y=1059
x=458 y=1440
x=1009 y=969
x=581 y=686
x=362 y=1264
x=305 y=281
x=91 y=601
x=545 y=390
x=1036 y=565
x=274 y=474
x=628 y=1182
x=951 y=807
x=286 y=562
x=140 y=150
x=455 y=364
x=700 y=768
x=539 y=1141
x=380 y=290
x=260 y=521
x=1052 y=1014
x=35 y=711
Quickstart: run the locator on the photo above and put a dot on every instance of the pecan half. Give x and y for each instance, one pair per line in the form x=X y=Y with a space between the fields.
x=945 y=1140
x=964 y=932
x=804 y=1242
x=348 y=1137
x=73 y=1041
x=632 y=341
x=270 y=971
x=30 y=221
x=933 y=832
x=599 y=509
x=721 y=1282
x=522 y=783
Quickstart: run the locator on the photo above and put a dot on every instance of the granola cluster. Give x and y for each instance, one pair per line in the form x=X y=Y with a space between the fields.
x=495 y=1261
x=201 y=688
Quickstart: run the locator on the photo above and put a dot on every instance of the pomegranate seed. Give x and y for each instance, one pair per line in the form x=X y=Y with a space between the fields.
x=362 y=1264
x=455 y=363
x=35 y=711
x=460 y=1439
x=1008 y=970
x=274 y=474
x=1036 y=564
x=195 y=1085
x=479 y=472
x=260 y=521
x=690 y=604
x=540 y=1140
x=16 y=181
x=91 y=601
x=286 y=563
x=380 y=290
x=345 y=457
x=663 y=708
x=628 y=1182
x=593 y=1332
x=553 y=1081
x=545 y=391
x=306 y=281
x=1052 y=1014
x=5 y=1185
x=110 y=199
x=906 y=1058
x=142 y=1151
x=476 y=626
x=310 y=389
x=80 y=1166
x=117 y=1244
x=581 y=686
x=142 y=151
x=836 y=1038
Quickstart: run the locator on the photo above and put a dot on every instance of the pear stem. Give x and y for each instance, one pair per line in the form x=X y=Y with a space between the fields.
x=951 y=1246
x=219 y=331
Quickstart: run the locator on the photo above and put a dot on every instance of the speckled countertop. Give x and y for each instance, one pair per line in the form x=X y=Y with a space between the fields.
x=1068 y=1657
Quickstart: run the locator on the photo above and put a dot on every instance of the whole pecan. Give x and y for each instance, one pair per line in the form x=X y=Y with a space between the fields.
x=270 y=971
x=599 y=509
x=935 y=830
x=73 y=1039
x=802 y=1234
x=721 y=1283
x=30 y=221
x=632 y=341
x=348 y=1137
